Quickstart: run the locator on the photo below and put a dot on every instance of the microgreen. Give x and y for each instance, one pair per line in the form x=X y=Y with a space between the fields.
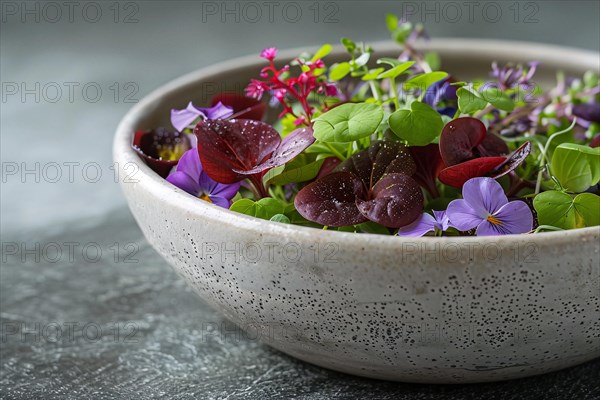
x=391 y=145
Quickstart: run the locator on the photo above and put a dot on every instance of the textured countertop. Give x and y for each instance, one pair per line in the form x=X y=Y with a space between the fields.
x=87 y=308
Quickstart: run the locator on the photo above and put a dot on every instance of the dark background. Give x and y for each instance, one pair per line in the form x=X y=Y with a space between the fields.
x=58 y=186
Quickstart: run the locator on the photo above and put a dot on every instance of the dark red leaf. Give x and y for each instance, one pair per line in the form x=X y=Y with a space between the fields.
x=382 y=157
x=428 y=166
x=492 y=146
x=292 y=145
x=395 y=201
x=458 y=174
x=513 y=161
x=373 y=184
x=161 y=148
x=331 y=200
x=243 y=107
x=328 y=166
x=227 y=146
x=595 y=142
x=458 y=139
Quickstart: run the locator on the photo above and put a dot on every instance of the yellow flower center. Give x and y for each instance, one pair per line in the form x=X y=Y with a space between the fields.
x=494 y=220
x=173 y=153
x=205 y=198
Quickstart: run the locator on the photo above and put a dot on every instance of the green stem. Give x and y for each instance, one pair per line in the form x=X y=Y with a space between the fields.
x=544 y=156
x=548 y=228
x=334 y=151
x=395 y=93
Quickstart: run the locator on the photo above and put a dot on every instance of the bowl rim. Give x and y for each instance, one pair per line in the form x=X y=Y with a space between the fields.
x=171 y=196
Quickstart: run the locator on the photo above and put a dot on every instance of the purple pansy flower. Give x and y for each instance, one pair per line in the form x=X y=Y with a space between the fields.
x=181 y=119
x=485 y=206
x=190 y=176
x=426 y=223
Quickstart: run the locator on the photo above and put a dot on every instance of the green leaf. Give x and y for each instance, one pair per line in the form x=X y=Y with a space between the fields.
x=392 y=62
x=373 y=227
x=592 y=155
x=563 y=211
x=322 y=52
x=418 y=126
x=397 y=70
x=297 y=170
x=348 y=44
x=372 y=74
x=423 y=81
x=402 y=33
x=391 y=21
x=572 y=166
x=280 y=218
x=469 y=102
x=264 y=208
x=348 y=122
x=587 y=209
x=554 y=208
x=244 y=206
x=339 y=71
x=498 y=99
x=268 y=207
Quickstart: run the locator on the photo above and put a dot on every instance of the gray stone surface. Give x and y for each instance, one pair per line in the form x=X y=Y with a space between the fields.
x=134 y=330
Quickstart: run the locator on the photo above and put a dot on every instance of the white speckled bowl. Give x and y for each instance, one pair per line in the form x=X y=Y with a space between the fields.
x=437 y=310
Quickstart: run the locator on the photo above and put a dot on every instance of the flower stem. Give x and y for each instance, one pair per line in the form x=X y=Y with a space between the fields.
x=259 y=189
x=544 y=158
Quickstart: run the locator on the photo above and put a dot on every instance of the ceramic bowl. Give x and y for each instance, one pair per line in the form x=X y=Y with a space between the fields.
x=435 y=310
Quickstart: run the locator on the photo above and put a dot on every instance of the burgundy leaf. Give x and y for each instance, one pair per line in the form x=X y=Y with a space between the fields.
x=328 y=166
x=161 y=148
x=292 y=145
x=382 y=157
x=227 y=146
x=396 y=200
x=429 y=164
x=595 y=142
x=243 y=107
x=458 y=174
x=458 y=139
x=492 y=146
x=331 y=200
x=513 y=160
x=373 y=184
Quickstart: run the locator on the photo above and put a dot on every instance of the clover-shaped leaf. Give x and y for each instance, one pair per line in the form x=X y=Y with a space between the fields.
x=348 y=122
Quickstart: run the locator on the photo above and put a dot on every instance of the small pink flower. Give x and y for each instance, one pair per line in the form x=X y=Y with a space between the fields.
x=330 y=89
x=255 y=89
x=269 y=53
x=280 y=94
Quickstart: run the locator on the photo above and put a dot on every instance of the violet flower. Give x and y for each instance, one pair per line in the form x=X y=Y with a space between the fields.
x=485 y=206
x=181 y=119
x=511 y=76
x=426 y=223
x=442 y=91
x=190 y=176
